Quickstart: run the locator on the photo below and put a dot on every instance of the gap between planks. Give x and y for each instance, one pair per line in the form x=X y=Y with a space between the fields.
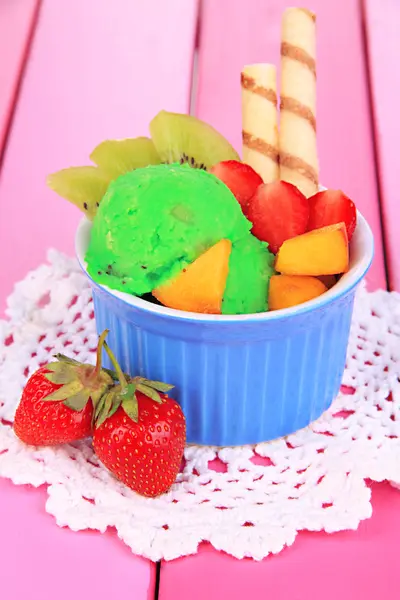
x=195 y=64
x=373 y=121
x=157 y=581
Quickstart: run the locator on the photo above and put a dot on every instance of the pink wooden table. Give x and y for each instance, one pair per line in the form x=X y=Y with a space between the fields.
x=73 y=73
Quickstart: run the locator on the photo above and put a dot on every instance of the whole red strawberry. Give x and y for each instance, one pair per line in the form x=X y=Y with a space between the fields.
x=140 y=434
x=57 y=403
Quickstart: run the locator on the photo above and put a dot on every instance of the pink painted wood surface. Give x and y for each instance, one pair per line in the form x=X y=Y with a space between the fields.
x=96 y=70
x=382 y=21
x=348 y=565
x=17 y=19
x=234 y=33
x=40 y=561
x=90 y=91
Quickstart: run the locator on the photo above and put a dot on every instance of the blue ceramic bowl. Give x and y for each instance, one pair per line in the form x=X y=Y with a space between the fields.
x=239 y=379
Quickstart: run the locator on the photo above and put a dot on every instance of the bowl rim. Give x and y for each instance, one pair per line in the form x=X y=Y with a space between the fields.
x=346 y=283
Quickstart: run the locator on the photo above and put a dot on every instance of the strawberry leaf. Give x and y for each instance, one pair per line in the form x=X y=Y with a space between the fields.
x=104 y=413
x=54 y=366
x=67 y=359
x=59 y=378
x=66 y=391
x=148 y=391
x=129 y=390
x=97 y=390
x=60 y=373
x=99 y=407
x=130 y=406
x=157 y=385
x=79 y=381
x=117 y=400
x=77 y=402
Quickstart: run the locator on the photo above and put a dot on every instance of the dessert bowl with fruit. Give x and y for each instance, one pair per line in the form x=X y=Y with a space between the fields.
x=233 y=280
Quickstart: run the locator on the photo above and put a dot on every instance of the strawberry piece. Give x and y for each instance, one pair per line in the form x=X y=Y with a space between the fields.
x=140 y=434
x=278 y=211
x=240 y=178
x=330 y=208
x=57 y=403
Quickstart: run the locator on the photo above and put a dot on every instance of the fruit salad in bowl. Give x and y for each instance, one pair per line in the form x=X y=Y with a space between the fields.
x=232 y=278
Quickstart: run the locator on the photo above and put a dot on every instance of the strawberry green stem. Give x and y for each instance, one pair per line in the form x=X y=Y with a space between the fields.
x=117 y=368
x=100 y=345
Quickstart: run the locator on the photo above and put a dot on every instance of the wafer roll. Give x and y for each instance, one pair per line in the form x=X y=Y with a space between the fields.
x=297 y=136
x=259 y=118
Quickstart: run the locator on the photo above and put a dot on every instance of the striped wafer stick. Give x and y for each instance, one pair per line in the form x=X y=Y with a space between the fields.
x=259 y=120
x=297 y=136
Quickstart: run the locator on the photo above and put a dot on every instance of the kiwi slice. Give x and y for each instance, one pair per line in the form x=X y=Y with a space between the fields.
x=116 y=157
x=83 y=186
x=185 y=139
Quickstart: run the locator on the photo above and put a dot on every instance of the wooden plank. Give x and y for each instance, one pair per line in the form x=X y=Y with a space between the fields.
x=382 y=21
x=234 y=33
x=344 y=565
x=96 y=70
x=40 y=561
x=17 y=21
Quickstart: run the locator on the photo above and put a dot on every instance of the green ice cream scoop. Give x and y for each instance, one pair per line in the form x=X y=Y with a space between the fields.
x=154 y=221
x=247 y=285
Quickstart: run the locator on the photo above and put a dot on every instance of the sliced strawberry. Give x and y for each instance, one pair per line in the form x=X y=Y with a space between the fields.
x=240 y=178
x=278 y=211
x=331 y=207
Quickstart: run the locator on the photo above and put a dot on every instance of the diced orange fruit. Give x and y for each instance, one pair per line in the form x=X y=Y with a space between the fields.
x=328 y=280
x=290 y=290
x=323 y=251
x=200 y=287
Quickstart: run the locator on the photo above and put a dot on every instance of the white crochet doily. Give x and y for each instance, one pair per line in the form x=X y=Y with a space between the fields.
x=249 y=501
